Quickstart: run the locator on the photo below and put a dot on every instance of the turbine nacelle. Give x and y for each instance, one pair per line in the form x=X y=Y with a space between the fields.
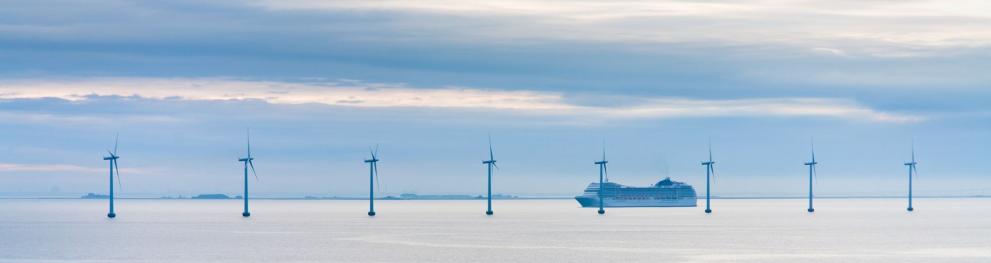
x=708 y=163
x=912 y=163
x=811 y=163
x=113 y=154
x=602 y=162
x=374 y=154
x=489 y=161
x=246 y=159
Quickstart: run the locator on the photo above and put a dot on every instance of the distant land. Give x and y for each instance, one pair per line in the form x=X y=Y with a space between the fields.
x=422 y=197
x=460 y=197
x=400 y=197
x=211 y=196
x=94 y=196
x=390 y=197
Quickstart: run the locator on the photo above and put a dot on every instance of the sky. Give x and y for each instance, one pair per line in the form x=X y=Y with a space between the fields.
x=319 y=83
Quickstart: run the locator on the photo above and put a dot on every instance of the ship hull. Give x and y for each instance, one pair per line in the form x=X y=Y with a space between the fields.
x=593 y=202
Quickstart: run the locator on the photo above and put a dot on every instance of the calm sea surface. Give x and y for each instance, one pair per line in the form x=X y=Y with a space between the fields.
x=841 y=230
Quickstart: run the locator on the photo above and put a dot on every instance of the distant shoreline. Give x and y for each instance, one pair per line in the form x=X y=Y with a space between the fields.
x=482 y=199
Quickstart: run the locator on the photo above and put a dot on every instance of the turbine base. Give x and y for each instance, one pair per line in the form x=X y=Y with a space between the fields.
x=245 y=214
x=708 y=211
x=811 y=210
x=601 y=211
x=371 y=213
x=111 y=215
x=910 y=209
x=488 y=212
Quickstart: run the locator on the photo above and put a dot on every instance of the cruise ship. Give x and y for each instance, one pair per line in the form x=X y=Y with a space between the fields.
x=666 y=193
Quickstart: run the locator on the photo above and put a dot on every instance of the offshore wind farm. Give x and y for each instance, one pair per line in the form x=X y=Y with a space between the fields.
x=509 y=131
x=665 y=193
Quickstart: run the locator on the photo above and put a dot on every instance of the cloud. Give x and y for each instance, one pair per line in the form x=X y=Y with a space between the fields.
x=706 y=47
x=356 y=94
x=786 y=107
x=831 y=51
x=62 y=119
x=862 y=28
x=61 y=168
x=37 y=168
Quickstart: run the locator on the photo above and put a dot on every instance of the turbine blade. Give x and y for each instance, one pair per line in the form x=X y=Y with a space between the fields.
x=605 y=169
x=710 y=153
x=491 y=155
x=376 y=153
x=115 y=143
x=815 y=175
x=913 y=150
x=249 y=142
x=710 y=149
x=913 y=153
x=495 y=165
x=812 y=146
x=375 y=171
x=712 y=169
x=117 y=169
x=252 y=164
x=912 y=167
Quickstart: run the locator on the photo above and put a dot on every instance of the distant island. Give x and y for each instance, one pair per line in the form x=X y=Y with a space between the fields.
x=450 y=197
x=415 y=197
x=310 y=197
x=462 y=197
x=94 y=196
x=212 y=196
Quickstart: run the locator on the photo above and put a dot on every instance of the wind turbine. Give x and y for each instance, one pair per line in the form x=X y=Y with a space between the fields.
x=602 y=174
x=372 y=179
x=490 y=163
x=248 y=162
x=709 y=172
x=812 y=169
x=911 y=171
x=113 y=167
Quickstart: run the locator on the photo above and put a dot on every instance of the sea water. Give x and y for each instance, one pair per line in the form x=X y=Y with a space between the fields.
x=841 y=230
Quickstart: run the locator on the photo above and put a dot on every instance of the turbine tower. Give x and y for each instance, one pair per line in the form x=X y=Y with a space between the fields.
x=248 y=162
x=372 y=180
x=113 y=167
x=911 y=171
x=490 y=163
x=602 y=174
x=812 y=169
x=709 y=172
